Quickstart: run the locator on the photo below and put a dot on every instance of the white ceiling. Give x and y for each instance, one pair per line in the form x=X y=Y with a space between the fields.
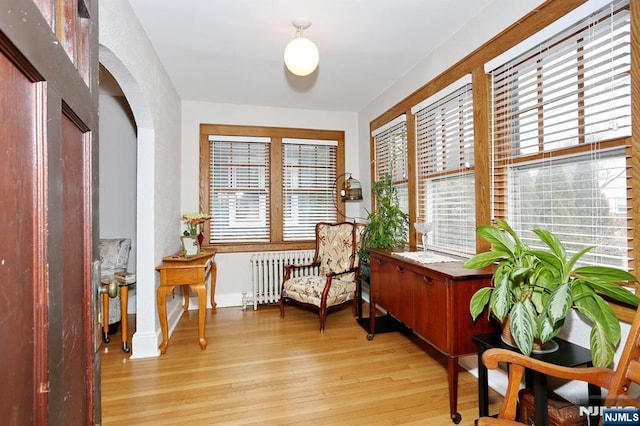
x=230 y=51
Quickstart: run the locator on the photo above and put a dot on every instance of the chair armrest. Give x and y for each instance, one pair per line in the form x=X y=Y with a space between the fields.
x=291 y=267
x=517 y=364
x=595 y=375
x=348 y=271
x=300 y=266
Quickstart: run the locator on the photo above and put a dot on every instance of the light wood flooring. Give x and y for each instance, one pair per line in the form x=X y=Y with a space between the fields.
x=261 y=369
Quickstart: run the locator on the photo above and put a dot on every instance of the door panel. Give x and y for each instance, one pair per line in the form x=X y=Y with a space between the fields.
x=75 y=288
x=17 y=264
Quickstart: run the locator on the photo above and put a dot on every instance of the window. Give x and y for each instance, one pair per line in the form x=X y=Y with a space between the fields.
x=390 y=150
x=561 y=119
x=240 y=188
x=576 y=200
x=309 y=193
x=445 y=159
x=266 y=188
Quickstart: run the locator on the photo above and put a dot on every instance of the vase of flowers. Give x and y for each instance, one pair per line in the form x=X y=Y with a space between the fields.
x=195 y=223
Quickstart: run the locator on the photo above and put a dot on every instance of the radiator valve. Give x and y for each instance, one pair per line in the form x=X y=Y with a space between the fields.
x=245 y=300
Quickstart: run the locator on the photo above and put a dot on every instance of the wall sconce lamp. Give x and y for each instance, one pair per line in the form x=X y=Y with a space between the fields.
x=301 y=55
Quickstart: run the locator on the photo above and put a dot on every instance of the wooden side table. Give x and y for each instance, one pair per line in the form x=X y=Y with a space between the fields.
x=124 y=280
x=191 y=273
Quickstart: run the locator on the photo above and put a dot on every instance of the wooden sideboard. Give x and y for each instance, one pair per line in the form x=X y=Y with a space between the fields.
x=433 y=300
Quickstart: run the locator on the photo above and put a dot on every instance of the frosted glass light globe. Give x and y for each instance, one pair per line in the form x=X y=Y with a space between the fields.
x=301 y=56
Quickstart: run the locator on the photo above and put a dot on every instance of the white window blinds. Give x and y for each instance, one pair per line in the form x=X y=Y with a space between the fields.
x=390 y=150
x=309 y=171
x=446 y=180
x=582 y=200
x=573 y=88
x=239 y=189
x=554 y=107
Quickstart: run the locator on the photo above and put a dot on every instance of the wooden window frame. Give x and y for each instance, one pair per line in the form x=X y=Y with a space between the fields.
x=277 y=134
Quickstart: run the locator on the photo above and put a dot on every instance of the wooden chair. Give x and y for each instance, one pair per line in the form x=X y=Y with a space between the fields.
x=336 y=261
x=616 y=381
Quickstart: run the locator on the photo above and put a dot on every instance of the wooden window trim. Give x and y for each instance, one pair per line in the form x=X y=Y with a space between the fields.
x=276 y=193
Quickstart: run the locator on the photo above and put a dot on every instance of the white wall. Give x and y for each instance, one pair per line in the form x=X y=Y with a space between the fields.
x=117 y=185
x=234 y=270
x=127 y=54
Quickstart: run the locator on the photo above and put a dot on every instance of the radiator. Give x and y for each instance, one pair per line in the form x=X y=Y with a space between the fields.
x=268 y=271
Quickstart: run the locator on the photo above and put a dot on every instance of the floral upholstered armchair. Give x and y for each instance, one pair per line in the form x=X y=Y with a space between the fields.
x=114 y=257
x=336 y=261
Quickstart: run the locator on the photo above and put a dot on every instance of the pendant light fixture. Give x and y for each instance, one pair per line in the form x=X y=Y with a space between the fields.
x=301 y=55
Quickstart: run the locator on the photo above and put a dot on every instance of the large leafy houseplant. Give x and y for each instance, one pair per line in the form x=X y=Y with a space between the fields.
x=535 y=290
x=387 y=225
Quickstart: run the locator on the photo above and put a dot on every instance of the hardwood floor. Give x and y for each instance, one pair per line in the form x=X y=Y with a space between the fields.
x=261 y=369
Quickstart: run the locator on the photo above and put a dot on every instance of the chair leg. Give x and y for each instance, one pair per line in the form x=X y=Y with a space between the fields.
x=354 y=307
x=323 y=319
x=281 y=306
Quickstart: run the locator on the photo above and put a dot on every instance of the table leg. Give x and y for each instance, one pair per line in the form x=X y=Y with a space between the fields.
x=595 y=399
x=372 y=313
x=540 y=398
x=124 y=304
x=105 y=318
x=201 y=290
x=185 y=294
x=214 y=274
x=483 y=385
x=452 y=373
x=162 y=313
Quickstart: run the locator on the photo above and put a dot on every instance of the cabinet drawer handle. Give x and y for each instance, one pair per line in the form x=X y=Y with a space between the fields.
x=427 y=280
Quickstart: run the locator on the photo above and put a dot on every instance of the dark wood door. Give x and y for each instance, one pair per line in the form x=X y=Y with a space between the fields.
x=48 y=168
x=18 y=270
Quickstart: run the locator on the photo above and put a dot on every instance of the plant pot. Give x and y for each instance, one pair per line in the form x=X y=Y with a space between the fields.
x=538 y=346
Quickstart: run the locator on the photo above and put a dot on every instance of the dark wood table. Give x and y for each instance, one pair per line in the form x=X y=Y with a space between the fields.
x=432 y=300
x=567 y=355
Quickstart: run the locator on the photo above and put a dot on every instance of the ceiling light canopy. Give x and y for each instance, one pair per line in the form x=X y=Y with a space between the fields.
x=301 y=55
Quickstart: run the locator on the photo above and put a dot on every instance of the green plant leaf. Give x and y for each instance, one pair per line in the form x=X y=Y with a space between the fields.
x=613 y=290
x=601 y=350
x=559 y=303
x=602 y=318
x=502 y=224
x=547 y=330
x=574 y=259
x=606 y=273
x=496 y=237
x=580 y=290
x=478 y=301
x=520 y=275
x=552 y=242
x=500 y=302
x=523 y=327
x=484 y=259
x=606 y=317
x=549 y=259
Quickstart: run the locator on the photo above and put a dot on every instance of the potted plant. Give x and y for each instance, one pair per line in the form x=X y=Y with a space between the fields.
x=387 y=225
x=533 y=290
